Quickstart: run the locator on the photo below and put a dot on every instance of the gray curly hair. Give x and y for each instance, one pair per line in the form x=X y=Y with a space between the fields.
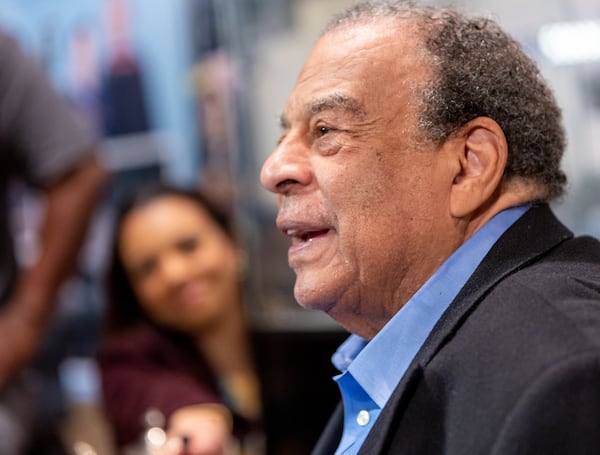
x=480 y=71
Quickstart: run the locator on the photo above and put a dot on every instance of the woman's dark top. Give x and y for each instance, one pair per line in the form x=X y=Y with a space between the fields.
x=144 y=368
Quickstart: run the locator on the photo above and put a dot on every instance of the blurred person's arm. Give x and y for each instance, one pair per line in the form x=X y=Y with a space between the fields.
x=69 y=203
x=45 y=144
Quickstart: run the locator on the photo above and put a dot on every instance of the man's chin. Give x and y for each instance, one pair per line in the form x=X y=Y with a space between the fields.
x=312 y=300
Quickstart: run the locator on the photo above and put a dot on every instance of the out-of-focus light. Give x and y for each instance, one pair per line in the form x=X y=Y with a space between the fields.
x=156 y=437
x=567 y=43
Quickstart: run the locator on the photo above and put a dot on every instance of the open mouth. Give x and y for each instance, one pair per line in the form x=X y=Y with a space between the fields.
x=305 y=236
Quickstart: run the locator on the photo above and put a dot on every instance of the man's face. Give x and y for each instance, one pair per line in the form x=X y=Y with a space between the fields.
x=362 y=196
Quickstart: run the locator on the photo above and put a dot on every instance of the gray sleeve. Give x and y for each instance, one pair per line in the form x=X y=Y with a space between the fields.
x=36 y=124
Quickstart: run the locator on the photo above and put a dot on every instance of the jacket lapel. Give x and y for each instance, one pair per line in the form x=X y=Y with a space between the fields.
x=331 y=435
x=534 y=234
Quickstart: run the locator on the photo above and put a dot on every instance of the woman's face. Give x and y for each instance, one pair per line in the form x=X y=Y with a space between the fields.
x=182 y=266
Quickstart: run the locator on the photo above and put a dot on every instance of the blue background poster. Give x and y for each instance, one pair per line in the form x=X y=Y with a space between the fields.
x=125 y=65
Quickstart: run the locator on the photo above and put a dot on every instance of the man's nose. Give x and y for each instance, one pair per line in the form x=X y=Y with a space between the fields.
x=288 y=167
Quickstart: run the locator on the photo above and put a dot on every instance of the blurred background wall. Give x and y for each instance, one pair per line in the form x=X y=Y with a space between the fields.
x=190 y=91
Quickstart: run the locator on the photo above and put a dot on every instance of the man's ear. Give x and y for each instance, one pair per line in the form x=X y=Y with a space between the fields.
x=481 y=154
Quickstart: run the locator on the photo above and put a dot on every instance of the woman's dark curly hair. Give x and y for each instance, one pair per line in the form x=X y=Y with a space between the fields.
x=123 y=308
x=479 y=70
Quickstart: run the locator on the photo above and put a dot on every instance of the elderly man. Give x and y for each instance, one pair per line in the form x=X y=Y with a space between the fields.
x=419 y=150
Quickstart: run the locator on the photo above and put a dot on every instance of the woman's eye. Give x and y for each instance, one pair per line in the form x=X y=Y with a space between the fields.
x=188 y=245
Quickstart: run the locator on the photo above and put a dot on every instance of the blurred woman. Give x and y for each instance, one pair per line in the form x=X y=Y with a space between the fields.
x=176 y=340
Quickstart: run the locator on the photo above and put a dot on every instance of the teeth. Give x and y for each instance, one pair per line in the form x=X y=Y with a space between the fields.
x=291 y=232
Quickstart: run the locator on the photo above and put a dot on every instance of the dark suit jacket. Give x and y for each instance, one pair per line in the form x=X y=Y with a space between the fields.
x=513 y=365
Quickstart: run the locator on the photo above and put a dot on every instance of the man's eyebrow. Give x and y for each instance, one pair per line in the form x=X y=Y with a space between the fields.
x=333 y=102
x=337 y=101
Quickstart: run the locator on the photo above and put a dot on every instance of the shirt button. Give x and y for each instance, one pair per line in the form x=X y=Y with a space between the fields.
x=363 y=418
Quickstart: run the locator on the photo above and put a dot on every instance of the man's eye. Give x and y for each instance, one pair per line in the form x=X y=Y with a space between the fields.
x=323 y=130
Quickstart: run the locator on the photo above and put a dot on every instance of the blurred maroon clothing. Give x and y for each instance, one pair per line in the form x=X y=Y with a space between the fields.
x=144 y=368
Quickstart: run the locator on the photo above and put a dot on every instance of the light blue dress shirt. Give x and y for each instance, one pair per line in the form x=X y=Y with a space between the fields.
x=371 y=371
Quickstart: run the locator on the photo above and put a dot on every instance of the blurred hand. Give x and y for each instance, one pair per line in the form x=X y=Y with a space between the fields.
x=20 y=341
x=203 y=429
